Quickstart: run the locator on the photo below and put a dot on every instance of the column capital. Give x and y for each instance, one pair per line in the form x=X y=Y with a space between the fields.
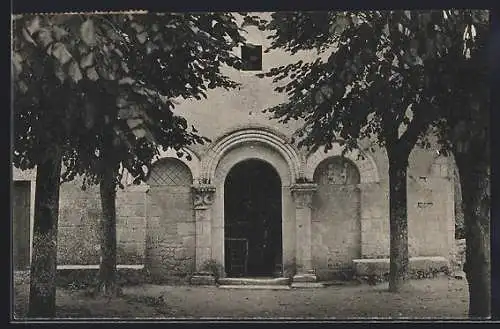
x=303 y=193
x=203 y=196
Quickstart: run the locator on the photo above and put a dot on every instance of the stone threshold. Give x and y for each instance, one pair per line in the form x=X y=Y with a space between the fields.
x=254 y=287
x=308 y=285
x=265 y=283
x=255 y=281
x=380 y=266
x=411 y=259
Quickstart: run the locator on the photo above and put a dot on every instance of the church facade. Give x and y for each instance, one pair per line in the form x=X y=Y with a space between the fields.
x=250 y=202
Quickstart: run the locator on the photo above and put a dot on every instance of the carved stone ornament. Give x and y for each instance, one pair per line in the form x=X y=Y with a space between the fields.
x=203 y=196
x=337 y=173
x=303 y=194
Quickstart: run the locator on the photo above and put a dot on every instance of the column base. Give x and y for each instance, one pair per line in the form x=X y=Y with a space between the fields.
x=305 y=277
x=306 y=280
x=202 y=279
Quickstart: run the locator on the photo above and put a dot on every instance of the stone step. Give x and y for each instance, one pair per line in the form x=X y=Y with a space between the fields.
x=254 y=281
x=380 y=266
x=307 y=285
x=256 y=287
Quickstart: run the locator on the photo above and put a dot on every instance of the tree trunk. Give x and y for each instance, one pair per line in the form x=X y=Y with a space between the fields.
x=474 y=178
x=107 y=266
x=398 y=221
x=42 y=301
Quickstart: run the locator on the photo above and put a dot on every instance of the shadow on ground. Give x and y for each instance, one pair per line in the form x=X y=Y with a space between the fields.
x=430 y=298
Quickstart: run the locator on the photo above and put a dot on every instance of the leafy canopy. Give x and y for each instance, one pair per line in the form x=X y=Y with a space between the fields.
x=388 y=75
x=100 y=88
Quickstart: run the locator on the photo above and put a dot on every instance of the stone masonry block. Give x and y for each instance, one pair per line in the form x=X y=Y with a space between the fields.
x=189 y=241
x=130 y=198
x=132 y=221
x=183 y=253
x=185 y=228
x=131 y=210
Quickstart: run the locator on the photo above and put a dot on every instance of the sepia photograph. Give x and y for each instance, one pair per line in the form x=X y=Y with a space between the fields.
x=288 y=165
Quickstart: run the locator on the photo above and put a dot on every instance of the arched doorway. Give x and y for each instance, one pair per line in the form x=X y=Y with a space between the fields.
x=252 y=220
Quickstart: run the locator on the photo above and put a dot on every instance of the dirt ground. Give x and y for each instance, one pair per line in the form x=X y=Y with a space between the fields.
x=441 y=298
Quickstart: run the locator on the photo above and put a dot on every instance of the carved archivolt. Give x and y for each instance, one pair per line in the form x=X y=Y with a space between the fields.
x=260 y=135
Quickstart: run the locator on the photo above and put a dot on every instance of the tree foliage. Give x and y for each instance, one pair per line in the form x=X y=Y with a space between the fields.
x=391 y=76
x=98 y=92
x=117 y=75
x=387 y=72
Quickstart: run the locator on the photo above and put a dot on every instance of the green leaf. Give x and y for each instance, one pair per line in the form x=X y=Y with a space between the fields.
x=142 y=37
x=87 y=60
x=59 y=72
x=124 y=67
x=44 y=37
x=60 y=52
x=88 y=33
x=27 y=36
x=23 y=86
x=74 y=72
x=92 y=74
x=17 y=61
x=137 y=27
x=133 y=123
x=33 y=25
x=139 y=132
x=59 y=32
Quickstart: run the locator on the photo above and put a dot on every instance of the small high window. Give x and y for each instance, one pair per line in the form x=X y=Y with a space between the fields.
x=251 y=55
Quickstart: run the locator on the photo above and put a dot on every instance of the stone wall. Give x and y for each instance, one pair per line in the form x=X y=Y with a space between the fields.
x=79 y=229
x=374 y=220
x=430 y=213
x=170 y=233
x=157 y=227
x=170 y=240
x=336 y=231
x=131 y=225
x=428 y=217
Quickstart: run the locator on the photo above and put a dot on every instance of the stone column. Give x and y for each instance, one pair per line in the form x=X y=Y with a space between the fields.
x=302 y=194
x=203 y=196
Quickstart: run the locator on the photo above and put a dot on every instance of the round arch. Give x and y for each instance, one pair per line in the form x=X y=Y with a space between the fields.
x=244 y=144
x=252 y=136
x=366 y=165
x=194 y=164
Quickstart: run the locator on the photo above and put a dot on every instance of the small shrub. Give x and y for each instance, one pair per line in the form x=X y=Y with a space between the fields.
x=344 y=274
x=213 y=267
x=289 y=270
x=78 y=279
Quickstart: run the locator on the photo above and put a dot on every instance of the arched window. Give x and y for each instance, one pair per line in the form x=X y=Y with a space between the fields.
x=336 y=171
x=170 y=172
